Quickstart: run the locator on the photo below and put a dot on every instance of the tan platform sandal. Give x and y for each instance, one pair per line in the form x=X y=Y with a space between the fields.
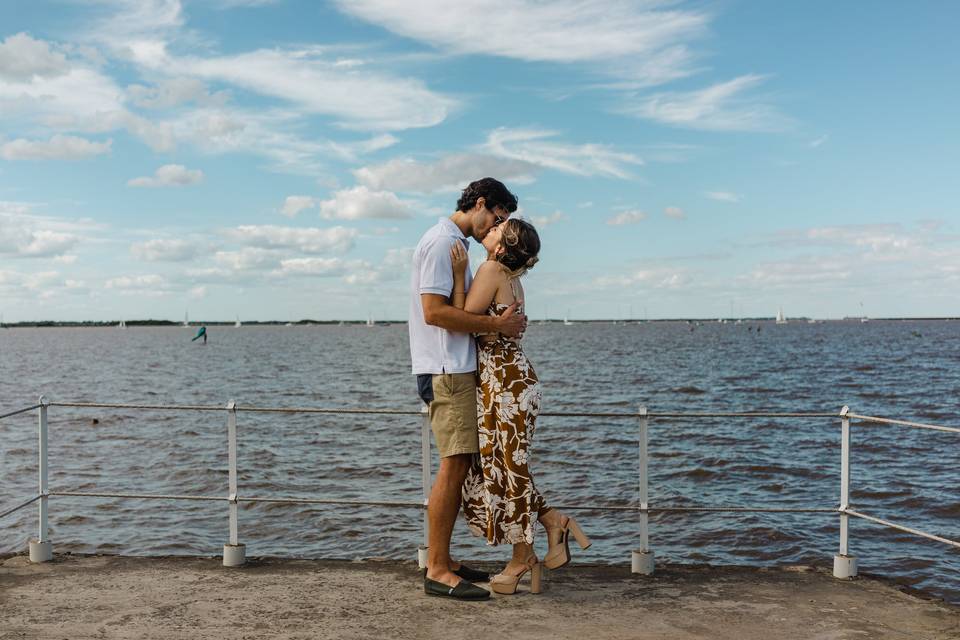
x=558 y=538
x=506 y=584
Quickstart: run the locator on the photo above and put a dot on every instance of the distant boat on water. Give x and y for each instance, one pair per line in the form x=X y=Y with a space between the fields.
x=238 y=324
x=186 y=319
x=122 y=325
x=780 y=317
x=370 y=321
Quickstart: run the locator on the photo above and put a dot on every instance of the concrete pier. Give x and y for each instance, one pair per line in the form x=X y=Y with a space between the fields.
x=109 y=597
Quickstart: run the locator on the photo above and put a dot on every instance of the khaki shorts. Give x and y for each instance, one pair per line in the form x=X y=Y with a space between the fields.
x=453 y=413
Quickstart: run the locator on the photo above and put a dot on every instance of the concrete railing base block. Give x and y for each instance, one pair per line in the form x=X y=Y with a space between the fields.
x=844 y=567
x=422 y=557
x=234 y=555
x=41 y=551
x=642 y=562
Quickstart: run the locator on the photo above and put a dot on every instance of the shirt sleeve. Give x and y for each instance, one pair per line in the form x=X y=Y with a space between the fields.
x=436 y=268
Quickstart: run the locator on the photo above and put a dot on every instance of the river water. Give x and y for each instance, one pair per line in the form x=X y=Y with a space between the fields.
x=907 y=370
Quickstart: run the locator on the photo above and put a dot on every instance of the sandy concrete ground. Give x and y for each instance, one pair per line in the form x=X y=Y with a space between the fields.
x=78 y=597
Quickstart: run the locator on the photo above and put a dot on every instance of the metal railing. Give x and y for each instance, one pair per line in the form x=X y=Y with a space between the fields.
x=642 y=560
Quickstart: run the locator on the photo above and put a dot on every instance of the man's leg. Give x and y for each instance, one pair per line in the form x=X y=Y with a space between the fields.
x=442 y=514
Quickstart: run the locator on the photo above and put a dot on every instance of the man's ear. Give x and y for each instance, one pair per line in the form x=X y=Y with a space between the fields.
x=481 y=202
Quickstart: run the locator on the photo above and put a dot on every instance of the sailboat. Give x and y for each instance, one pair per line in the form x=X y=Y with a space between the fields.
x=237 y=324
x=780 y=318
x=186 y=319
x=122 y=325
x=370 y=321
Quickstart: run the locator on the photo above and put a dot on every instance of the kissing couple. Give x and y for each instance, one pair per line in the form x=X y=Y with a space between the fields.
x=482 y=392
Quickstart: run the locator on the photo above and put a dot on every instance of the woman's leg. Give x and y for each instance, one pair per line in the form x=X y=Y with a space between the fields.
x=519 y=562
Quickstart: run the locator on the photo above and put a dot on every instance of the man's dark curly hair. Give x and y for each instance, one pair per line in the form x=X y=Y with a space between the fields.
x=492 y=191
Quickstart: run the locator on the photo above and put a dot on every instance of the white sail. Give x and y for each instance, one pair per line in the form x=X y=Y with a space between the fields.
x=780 y=318
x=237 y=324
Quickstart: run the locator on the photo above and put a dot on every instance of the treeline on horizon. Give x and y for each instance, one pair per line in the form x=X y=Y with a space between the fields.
x=310 y=322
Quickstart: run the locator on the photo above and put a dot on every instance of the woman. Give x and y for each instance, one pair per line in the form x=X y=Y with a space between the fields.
x=500 y=500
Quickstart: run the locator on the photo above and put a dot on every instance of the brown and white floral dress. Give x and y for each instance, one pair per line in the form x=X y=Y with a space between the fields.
x=500 y=500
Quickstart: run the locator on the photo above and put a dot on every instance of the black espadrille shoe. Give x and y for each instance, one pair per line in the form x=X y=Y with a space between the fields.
x=472 y=575
x=463 y=591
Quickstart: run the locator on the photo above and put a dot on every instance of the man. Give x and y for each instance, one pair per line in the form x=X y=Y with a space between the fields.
x=445 y=362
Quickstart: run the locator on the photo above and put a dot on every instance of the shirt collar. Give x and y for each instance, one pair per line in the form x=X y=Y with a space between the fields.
x=448 y=224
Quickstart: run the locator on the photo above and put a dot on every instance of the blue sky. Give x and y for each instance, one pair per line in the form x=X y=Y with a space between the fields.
x=280 y=159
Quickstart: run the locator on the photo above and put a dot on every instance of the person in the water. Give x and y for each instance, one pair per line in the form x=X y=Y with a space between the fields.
x=201 y=333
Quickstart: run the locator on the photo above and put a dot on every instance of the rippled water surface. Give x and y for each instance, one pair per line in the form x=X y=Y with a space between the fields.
x=908 y=370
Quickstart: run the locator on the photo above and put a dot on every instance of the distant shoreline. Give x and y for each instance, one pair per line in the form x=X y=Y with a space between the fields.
x=307 y=323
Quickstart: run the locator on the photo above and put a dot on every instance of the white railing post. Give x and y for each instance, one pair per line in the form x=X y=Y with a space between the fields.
x=844 y=564
x=426 y=479
x=234 y=553
x=41 y=549
x=641 y=560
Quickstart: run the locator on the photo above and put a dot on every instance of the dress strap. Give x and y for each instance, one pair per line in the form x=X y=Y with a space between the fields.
x=515 y=290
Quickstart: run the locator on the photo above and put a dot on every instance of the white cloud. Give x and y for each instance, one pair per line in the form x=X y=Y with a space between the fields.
x=801 y=272
x=22 y=236
x=532 y=146
x=398 y=259
x=234 y=4
x=173 y=92
x=877 y=238
x=22 y=57
x=247 y=258
x=80 y=99
x=59 y=147
x=48 y=243
x=675 y=212
x=723 y=196
x=305 y=239
x=316 y=267
x=541 y=222
x=27 y=235
x=355 y=98
x=627 y=217
x=813 y=144
x=450 y=173
x=362 y=203
x=151 y=285
x=197 y=293
x=65 y=259
x=293 y=205
x=719 y=107
x=169 y=175
x=646 y=41
x=351 y=150
x=655 y=278
x=165 y=250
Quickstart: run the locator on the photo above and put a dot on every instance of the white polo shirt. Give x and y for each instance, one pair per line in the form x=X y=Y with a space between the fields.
x=432 y=349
